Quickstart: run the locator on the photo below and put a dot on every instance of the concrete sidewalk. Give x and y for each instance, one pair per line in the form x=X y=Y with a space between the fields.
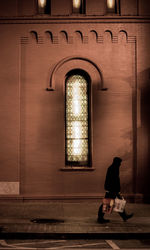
x=53 y=219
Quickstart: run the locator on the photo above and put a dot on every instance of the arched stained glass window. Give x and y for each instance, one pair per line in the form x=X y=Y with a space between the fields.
x=77 y=120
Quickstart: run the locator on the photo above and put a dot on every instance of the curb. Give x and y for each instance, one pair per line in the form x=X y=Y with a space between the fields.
x=22 y=235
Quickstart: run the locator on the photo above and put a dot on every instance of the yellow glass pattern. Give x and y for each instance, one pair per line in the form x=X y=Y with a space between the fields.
x=77 y=145
x=77 y=4
x=42 y=3
x=111 y=4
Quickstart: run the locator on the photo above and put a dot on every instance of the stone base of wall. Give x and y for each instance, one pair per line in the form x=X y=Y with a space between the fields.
x=131 y=198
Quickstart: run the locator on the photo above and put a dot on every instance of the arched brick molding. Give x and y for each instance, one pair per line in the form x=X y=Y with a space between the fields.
x=123 y=36
x=79 y=36
x=34 y=36
x=77 y=62
x=108 y=36
x=94 y=35
x=64 y=36
x=49 y=36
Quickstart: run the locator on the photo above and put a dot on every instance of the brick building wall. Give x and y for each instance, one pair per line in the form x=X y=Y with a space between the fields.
x=37 y=51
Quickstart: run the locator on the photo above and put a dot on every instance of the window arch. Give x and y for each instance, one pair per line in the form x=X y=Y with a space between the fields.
x=77 y=118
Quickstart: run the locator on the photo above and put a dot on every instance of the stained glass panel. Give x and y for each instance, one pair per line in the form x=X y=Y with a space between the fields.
x=77 y=6
x=111 y=4
x=76 y=3
x=77 y=141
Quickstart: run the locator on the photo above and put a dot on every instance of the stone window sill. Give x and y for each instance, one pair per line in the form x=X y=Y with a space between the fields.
x=67 y=169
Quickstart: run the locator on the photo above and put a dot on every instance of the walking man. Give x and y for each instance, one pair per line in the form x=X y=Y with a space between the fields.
x=112 y=187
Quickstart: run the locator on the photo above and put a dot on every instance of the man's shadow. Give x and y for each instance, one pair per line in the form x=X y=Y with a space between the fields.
x=144 y=134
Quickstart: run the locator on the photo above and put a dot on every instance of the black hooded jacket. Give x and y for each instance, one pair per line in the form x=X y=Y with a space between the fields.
x=112 y=181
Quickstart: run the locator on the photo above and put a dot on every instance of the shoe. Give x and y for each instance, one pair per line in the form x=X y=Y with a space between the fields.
x=128 y=216
x=102 y=220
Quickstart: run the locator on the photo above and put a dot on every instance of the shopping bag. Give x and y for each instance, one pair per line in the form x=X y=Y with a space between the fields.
x=108 y=204
x=119 y=205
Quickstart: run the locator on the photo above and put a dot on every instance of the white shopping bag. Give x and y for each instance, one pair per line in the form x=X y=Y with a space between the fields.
x=119 y=205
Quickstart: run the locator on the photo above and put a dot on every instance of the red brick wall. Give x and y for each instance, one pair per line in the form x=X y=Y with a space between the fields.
x=63 y=7
x=32 y=151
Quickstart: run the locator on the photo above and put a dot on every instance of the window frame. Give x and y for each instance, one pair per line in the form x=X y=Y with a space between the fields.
x=76 y=165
